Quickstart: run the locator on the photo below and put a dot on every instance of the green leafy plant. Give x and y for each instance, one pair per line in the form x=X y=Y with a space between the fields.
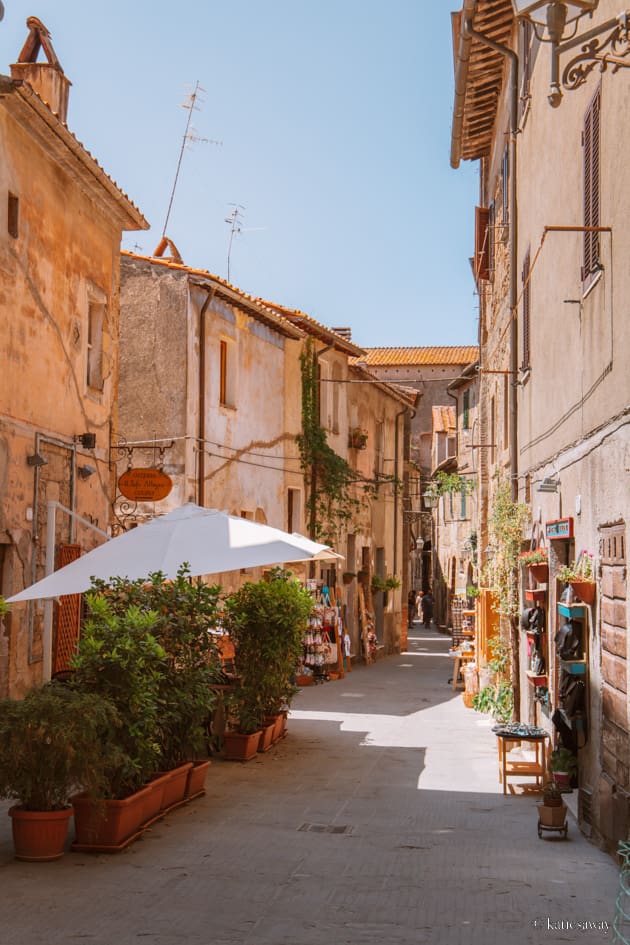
x=330 y=479
x=184 y=610
x=4 y=607
x=506 y=522
x=582 y=569
x=119 y=659
x=551 y=790
x=266 y=622
x=53 y=743
x=472 y=591
x=358 y=438
x=497 y=699
x=563 y=760
x=443 y=483
x=389 y=583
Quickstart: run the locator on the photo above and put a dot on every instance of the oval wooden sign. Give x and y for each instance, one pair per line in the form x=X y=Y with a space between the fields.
x=145 y=485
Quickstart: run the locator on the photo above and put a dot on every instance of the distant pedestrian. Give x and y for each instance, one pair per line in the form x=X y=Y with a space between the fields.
x=411 y=608
x=427 y=609
x=419 y=604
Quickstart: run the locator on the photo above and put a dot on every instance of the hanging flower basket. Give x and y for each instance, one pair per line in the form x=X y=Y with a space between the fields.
x=540 y=572
x=357 y=439
x=585 y=590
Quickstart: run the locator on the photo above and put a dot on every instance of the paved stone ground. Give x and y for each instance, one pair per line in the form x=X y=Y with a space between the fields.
x=431 y=852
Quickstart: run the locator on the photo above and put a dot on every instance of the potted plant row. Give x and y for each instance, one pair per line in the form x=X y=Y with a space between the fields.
x=126 y=729
x=266 y=622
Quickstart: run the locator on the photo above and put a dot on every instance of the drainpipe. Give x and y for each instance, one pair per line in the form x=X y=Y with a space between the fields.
x=201 y=455
x=513 y=221
x=396 y=471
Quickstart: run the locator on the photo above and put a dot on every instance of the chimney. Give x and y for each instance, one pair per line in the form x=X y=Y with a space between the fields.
x=46 y=78
x=344 y=332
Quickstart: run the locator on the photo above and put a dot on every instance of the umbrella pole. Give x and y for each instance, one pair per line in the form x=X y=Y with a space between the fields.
x=51 y=528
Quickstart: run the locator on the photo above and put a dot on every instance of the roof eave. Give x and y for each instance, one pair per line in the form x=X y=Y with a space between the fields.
x=22 y=97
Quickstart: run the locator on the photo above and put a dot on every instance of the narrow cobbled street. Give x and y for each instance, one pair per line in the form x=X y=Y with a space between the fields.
x=379 y=819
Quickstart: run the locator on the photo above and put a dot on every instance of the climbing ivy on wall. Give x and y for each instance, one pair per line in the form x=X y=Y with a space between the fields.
x=329 y=478
x=506 y=522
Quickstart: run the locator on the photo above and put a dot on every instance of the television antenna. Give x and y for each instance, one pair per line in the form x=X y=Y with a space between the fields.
x=193 y=103
x=235 y=220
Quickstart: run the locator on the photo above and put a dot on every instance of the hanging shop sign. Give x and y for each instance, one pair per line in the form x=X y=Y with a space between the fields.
x=559 y=528
x=145 y=485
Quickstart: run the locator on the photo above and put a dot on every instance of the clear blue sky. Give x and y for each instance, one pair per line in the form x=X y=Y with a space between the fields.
x=334 y=118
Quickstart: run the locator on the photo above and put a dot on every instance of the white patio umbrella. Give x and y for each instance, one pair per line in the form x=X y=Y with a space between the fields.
x=210 y=542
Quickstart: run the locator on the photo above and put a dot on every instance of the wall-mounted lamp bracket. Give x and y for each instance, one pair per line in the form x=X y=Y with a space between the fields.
x=549 y=19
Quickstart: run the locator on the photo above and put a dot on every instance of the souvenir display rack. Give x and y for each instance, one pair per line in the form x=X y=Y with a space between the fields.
x=321 y=646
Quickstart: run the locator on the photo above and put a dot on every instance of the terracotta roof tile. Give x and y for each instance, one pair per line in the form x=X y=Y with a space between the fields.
x=312 y=327
x=256 y=306
x=456 y=354
x=29 y=94
x=443 y=419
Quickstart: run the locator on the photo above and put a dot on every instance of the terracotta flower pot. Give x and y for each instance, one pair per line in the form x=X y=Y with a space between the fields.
x=197 y=778
x=240 y=747
x=585 y=590
x=154 y=800
x=108 y=824
x=540 y=572
x=39 y=836
x=552 y=816
x=267 y=736
x=175 y=784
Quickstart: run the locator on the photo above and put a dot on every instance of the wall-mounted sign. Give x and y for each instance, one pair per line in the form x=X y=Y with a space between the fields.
x=559 y=528
x=145 y=485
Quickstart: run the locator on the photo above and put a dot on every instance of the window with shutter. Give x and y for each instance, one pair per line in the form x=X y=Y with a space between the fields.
x=505 y=189
x=526 y=362
x=591 y=148
x=490 y=238
x=481 y=262
x=466 y=411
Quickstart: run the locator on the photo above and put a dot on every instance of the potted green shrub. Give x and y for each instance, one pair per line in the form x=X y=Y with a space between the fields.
x=120 y=660
x=52 y=743
x=377 y=584
x=552 y=812
x=185 y=610
x=266 y=622
x=563 y=766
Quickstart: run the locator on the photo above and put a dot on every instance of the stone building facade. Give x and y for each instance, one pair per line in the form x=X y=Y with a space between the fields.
x=550 y=253
x=59 y=289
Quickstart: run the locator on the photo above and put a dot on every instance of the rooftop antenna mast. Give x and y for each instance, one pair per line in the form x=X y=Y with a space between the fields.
x=189 y=137
x=235 y=219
